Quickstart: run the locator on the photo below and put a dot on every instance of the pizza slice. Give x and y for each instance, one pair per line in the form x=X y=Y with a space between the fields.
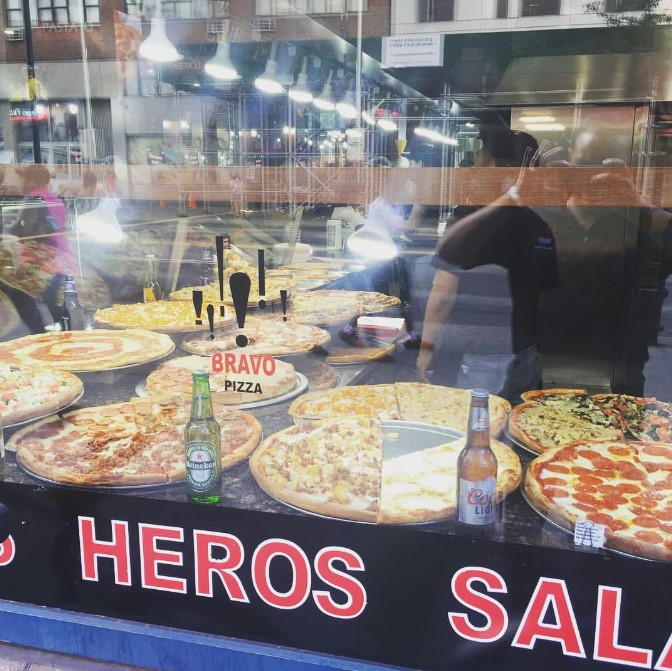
x=576 y=401
x=331 y=468
x=540 y=427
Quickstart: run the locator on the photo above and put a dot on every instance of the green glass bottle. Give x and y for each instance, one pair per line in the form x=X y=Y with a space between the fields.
x=203 y=445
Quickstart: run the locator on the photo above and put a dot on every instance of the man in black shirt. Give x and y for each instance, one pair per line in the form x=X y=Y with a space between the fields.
x=509 y=235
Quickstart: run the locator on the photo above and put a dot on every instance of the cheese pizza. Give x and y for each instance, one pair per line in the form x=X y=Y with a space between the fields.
x=268 y=336
x=86 y=351
x=28 y=392
x=139 y=442
x=174 y=378
x=337 y=306
x=624 y=485
x=336 y=468
x=163 y=316
x=433 y=404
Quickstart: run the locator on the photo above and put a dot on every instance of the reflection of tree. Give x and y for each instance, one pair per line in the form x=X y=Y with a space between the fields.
x=643 y=13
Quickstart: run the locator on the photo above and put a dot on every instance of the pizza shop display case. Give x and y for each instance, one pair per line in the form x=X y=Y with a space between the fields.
x=345 y=280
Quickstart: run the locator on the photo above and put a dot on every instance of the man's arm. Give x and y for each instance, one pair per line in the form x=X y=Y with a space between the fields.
x=439 y=306
x=463 y=241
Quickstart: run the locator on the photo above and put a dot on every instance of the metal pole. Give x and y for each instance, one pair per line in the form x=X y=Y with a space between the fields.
x=358 y=67
x=32 y=83
x=90 y=132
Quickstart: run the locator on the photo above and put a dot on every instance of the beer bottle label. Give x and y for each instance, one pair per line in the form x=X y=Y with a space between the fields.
x=477 y=501
x=201 y=461
x=148 y=295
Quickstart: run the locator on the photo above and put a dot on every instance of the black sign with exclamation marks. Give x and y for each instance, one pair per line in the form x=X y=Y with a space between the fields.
x=219 y=246
x=262 y=279
x=211 y=319
x=197 y=298
x=240 y=284
x=283 y=298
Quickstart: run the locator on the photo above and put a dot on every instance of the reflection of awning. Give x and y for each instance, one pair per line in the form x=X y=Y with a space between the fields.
x=585 y=79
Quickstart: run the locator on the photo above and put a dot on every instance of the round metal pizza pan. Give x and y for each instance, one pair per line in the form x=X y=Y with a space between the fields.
x=43 y=415
x=555 y=524
x=400 y=437
x=301 y=386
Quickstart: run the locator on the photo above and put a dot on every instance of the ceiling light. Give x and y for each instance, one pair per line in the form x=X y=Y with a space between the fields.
x=220 y=65
x=346 y=108
x=537 y=119
x=300 y=92
x=369 y=118
x=157 y=46
x=325 y=100
x=268 y=80
x=387 y=124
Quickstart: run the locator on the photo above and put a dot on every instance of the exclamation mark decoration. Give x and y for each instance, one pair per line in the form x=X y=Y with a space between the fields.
x=219 y=246
x=240 y=291
x=283 y=298
x=197 y=298
x=262 y=279
x=211 y=319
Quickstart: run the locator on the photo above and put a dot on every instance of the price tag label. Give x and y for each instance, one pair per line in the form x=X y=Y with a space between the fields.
x=589 y=534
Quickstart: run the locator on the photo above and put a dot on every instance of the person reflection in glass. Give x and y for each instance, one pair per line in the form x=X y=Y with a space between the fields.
x=508 y=234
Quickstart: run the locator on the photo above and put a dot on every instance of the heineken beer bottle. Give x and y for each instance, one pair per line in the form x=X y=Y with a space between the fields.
x=203 y=445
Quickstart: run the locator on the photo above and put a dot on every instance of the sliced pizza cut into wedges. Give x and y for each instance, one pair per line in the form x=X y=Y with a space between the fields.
x=446 y=406
x=128 y=444
x=540 y=427
x=371 y=401
x=421 y=486
x=331 y=468
x=625 y=486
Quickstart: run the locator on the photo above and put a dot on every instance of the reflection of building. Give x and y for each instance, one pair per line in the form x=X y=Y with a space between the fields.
x=143 y=112
x=475 y=16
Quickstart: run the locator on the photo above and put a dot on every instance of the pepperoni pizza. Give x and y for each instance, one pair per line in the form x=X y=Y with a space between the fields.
x=625 y=486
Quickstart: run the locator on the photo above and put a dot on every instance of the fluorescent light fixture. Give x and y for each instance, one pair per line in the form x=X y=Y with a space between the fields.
x=300 y=92
x=387 y=124
x=325 y=100
x=220 y=65
x=346 y=108
x=101 y=224
x=268 y=82
x=537 y=119
x=545 y=126
x=369 y=118
x=157 y=47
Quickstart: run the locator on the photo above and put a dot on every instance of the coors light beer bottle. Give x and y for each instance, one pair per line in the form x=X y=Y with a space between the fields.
x=477 y=467
x=203 y=445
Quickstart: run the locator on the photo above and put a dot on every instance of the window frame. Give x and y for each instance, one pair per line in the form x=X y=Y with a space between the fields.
x=430 y=7
x=526 y=5
x=48 y=15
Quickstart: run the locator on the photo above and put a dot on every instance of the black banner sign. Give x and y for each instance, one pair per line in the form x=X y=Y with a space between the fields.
x=407 y=597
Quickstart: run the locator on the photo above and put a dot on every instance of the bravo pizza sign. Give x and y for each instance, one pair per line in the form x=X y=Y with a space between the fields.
x=409 y=598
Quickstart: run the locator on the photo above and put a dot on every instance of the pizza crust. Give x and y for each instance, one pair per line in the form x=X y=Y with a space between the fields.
x=49 y=401
x=561 y=511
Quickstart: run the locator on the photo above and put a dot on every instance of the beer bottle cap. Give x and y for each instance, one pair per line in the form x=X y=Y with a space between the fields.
x=480 y=393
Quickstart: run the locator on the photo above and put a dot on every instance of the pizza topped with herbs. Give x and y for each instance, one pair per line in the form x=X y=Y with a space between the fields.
x=554 y=417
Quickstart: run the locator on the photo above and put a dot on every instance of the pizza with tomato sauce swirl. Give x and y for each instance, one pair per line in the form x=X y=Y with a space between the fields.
x=624 y=485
